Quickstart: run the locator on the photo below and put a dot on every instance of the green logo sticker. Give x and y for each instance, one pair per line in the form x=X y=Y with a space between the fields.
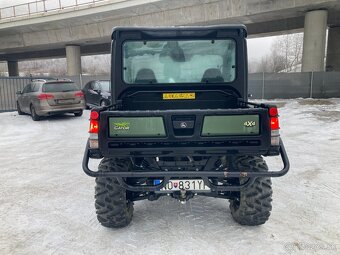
x=249 y=123
x=121 y=125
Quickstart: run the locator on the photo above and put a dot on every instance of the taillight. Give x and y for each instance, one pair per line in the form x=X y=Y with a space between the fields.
x=274 y=126
x=274 y=123
x=79 y=94
x=94 y=129
x=45 y=96
x=94 y=115
x=273 y=112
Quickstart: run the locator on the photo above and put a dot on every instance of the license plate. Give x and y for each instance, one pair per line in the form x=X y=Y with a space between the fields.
x=172 y=96
x=188 y=184
x=65 y=101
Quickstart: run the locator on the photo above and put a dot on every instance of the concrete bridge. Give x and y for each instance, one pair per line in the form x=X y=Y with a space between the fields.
x=77 y=30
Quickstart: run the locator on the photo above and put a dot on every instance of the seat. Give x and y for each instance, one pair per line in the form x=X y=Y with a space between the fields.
x=213 y=75
x=145 y=76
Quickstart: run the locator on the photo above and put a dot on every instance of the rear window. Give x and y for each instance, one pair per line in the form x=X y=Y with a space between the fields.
x=59 y=87
x=179 y=61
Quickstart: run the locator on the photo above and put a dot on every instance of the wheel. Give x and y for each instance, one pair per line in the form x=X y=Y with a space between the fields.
x=19 y=109
x=113 y=208
x=253 y=205
x=79 y=113
x=87 y=107
x=34 y=115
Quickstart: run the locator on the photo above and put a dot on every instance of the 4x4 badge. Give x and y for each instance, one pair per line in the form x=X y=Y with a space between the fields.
x=249 y=123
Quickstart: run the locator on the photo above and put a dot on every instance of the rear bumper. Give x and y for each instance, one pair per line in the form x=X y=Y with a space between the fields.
x=45 y=110
x=205 y=175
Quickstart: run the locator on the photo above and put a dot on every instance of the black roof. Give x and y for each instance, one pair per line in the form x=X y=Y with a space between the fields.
x=181 y=28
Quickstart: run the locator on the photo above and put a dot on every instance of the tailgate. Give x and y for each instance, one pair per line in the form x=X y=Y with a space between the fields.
x=194 y=132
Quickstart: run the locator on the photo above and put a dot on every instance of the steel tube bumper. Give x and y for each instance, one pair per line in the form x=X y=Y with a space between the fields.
x=205 y=175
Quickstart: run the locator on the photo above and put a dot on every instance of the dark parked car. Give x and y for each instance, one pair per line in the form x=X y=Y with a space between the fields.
x=97 y=93
x=47 y=97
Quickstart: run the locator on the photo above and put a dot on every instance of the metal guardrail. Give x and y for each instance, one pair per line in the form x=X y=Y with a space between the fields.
x=42 y=6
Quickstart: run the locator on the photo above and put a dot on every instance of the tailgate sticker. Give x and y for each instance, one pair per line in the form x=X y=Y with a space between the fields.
x=176 y=96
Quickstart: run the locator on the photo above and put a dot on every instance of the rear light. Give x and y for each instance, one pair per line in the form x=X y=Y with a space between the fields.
x=274 y=123
x=273 y=112
x=94 y=115
x=94 y=129
x=44 y=96
x=274 y=126
x=79 y=94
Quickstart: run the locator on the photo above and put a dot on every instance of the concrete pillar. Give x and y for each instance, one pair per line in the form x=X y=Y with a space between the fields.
x=333 y=49
x=13 y=69
x=314 y=41
x=73 y=60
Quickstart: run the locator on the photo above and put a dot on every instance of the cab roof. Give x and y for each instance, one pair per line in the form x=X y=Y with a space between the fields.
x=181 y=29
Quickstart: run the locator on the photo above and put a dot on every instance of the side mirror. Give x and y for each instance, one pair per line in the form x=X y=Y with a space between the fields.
x=98 y=91
x=19 y=92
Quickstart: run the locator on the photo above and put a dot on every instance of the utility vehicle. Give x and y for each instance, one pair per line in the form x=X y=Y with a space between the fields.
x=180 y=124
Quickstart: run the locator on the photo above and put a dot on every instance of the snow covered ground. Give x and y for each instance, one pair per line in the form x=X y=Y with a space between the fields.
x=47 y=204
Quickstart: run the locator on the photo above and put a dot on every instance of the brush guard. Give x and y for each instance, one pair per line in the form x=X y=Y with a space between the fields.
x=204 y=175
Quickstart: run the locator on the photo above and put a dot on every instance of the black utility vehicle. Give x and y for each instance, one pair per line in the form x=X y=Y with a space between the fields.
x=181 y=124
x=97 y=93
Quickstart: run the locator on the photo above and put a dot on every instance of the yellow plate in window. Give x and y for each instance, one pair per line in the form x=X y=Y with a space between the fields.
x=174 y=96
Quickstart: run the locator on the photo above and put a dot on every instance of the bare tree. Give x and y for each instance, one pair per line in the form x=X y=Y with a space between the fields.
x=286 y=52
x=285 y=55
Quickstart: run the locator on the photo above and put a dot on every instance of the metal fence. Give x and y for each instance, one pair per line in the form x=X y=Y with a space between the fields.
x=294 y=85
x=42 y=6
x=260 y=85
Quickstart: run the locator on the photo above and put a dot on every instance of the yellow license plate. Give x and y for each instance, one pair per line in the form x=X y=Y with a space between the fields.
x=171 y=96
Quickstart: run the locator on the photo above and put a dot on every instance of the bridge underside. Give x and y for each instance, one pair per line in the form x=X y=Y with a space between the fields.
x=47 y=36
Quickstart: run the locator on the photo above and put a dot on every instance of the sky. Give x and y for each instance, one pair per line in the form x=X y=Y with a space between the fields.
x=6 y=3
x=259 y=47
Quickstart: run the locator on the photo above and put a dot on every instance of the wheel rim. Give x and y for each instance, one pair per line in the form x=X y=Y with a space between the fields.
x=103 y=103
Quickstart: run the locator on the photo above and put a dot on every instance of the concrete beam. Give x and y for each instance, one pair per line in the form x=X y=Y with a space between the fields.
x=333 y=49
x=95 y=49
x=13 y=68
x=73 y=59
x=314 y=41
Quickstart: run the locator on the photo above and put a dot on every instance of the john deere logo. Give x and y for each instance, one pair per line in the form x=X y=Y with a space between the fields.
x=249 y=124
x=121 y=125
x=184 y=125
